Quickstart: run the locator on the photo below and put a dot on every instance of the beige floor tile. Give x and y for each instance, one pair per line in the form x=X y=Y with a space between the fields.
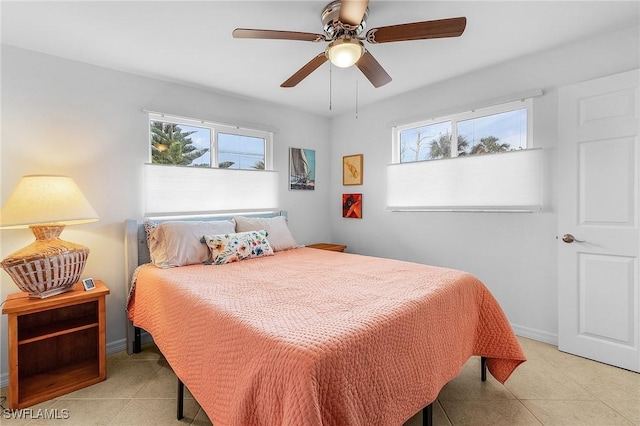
x=574 y=363
x=468 y=385
x=488 y=413
x=124 y=380
x=163 y=385
x=439 y=417
x=536 y=379
x=20 y=417
x=601 y=380
x=629 y=409
x=201 y=419
x=83 y=412
x=575 y=413
x=607 y=382
x=14 y=418
x=156 y=412
x=533 y=348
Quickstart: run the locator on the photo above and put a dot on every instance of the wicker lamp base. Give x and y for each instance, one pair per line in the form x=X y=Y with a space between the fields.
x=48 y=266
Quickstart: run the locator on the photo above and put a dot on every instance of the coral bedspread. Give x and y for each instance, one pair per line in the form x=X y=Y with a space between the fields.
x=313 y=337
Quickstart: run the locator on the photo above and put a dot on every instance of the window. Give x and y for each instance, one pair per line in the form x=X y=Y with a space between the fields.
x=186 y=142
x=496 y=129
x=236 y=151
x=233 y=163
x=464 y=178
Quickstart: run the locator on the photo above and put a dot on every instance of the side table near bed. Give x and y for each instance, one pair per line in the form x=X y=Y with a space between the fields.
x=56 y=345
x=328 y=246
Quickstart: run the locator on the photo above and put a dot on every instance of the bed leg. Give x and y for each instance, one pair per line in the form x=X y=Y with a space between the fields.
x=427 y=415
x=180 y=405
x=137 y=340
x=483 y=368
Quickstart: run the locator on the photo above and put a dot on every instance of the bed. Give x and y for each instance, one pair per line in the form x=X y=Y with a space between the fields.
x=313 y=337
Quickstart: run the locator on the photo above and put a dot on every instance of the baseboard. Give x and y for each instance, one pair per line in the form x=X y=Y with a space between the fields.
x=534 y=334
x=117 y=346
x=121 y=345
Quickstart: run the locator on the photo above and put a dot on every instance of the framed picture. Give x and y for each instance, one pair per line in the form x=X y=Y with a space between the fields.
x=302 y=169
x=352 y=206
x=352 y=169
x=88 y=284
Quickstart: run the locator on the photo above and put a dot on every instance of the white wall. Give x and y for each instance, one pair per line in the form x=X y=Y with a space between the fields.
x=513 y=253
x=64 y=117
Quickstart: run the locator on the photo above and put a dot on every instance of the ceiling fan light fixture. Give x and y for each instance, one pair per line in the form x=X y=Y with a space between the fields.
x=345 y=52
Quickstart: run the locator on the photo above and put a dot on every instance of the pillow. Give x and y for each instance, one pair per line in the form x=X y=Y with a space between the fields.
x=280 y=237
x=149 y=228
x=177 y=243
x=240 y=246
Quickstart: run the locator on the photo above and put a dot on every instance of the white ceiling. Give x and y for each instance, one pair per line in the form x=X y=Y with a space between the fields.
x=191 y=42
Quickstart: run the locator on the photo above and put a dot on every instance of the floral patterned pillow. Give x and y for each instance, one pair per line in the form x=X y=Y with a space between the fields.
x=227 y=248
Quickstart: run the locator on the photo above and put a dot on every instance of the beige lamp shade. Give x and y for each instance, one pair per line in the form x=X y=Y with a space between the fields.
x=48 y=266
x=43 y=199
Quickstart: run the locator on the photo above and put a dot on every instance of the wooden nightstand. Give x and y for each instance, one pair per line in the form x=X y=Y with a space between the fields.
x=56 y=345
x=328 y=246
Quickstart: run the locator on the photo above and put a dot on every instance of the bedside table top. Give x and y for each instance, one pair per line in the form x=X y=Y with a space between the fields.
x=20 y=302
x=328 y=246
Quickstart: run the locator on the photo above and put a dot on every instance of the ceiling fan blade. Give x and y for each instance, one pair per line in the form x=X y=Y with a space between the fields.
x=373 y=70
x=303 y=72
x=452 y=27
x=277 y=35
x=352 y=11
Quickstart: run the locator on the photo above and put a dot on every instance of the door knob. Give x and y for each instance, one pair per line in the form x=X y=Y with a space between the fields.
x=568 y=238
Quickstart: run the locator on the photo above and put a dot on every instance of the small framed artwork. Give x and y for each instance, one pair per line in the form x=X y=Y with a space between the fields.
x=88 y=284
x=302 y=169
x=352 y=206
x=352 y=169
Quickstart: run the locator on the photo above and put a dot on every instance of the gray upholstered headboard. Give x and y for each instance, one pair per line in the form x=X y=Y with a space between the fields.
x=137 y=251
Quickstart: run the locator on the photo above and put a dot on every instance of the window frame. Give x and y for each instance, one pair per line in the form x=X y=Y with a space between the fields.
x=216 y=128
x=525 y=103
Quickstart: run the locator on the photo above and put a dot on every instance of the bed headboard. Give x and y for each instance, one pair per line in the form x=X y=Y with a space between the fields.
x=137 y=251
x=135 y=238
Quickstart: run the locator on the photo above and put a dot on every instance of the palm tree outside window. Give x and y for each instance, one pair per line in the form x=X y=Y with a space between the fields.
x=196 y=143
x=492 y=130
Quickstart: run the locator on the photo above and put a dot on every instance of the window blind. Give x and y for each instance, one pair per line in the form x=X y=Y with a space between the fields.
x=171 y=190
x=509 y=181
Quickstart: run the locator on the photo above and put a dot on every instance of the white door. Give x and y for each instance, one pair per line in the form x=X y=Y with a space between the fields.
x=598 y=203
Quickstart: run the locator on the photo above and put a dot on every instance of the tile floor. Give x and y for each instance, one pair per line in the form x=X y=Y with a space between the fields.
x=551 y=388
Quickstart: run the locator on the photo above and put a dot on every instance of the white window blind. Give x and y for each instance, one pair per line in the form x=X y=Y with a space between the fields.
x=509 y=181
x=202 y=190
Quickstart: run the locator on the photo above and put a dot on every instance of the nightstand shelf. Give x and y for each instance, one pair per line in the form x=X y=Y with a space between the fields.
x=56 y=345
x=29 y=335
x=37 y=388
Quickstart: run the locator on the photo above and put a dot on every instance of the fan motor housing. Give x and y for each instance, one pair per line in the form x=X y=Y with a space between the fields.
x=332 y=26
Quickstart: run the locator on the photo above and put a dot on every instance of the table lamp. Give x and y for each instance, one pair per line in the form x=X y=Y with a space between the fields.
x=46 y=204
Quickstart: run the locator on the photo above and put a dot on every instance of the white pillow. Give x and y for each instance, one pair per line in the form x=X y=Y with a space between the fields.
x=278 y=233
x=177 y=243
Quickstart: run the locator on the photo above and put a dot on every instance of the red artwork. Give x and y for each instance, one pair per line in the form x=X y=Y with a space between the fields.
x=352 y=205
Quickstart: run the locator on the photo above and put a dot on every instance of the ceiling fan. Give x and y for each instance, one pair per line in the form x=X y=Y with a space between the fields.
x=343 y=21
